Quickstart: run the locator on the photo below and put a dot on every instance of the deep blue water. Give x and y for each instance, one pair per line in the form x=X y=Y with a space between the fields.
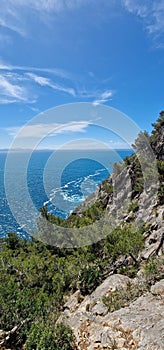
x=61 y=180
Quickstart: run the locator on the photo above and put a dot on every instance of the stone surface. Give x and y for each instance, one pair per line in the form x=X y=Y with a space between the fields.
x=158 y=288
x=138 y=326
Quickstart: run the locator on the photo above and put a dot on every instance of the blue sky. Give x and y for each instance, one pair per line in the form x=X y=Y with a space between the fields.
x=67 y=51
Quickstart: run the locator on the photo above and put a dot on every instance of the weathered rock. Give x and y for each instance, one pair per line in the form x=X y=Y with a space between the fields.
x=138 y=326
x=158 y=288
x=73 y=301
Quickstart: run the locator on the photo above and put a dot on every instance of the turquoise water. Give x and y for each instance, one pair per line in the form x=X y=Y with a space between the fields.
x=60 y=180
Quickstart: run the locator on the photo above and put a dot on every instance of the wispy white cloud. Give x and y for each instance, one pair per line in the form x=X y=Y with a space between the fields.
x=10 y=91
x=6 y=101
x=103 y=98
x=40 y=131
x=14 y=12
x=54 y=71
x=150 y=11
x=19 y=84
x=138 y=7
x=157 y=26
x=47 y=82
x=10 y=16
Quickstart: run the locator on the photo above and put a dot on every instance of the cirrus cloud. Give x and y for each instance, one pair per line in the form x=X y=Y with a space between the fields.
x=103 y=98
x=150 y=11
x=43 y=81
x=42 y=130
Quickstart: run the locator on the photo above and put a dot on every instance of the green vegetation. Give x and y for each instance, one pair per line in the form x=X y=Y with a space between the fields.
x=121 y=298
x=133 y=207
x=43 y=337
x=90 y=214
x=33 y=281
x=36 y=279
x=156 y=128
x=154 y=270
x=90 y=277
x=108 y=188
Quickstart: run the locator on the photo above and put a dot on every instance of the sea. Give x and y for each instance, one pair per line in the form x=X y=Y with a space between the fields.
x=60 y=180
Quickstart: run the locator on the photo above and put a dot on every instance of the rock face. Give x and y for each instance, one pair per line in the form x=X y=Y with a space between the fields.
x=137 y=326
x=103 y=320
x=148 y=209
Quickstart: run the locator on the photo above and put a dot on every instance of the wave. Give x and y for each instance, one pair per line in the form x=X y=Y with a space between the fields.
x=73 y=193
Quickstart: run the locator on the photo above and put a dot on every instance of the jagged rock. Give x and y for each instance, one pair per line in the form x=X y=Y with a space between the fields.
x=149 y=251
x=98 y=309
x=138 y=326
x=73 y=301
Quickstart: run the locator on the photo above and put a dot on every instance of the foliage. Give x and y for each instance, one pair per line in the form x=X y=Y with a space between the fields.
x=12 y=241
x=157 y=126
x=35 y=279
x=124 y=241
x=123 y=297
x=107 y=187
x=90 y=277
x=154 y=270
x=90 y=214
x=160 y=164
x=133 y=207
x=43 y=336
x=142 y=142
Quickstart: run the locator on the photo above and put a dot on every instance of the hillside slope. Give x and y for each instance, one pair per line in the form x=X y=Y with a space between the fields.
x=127 y=313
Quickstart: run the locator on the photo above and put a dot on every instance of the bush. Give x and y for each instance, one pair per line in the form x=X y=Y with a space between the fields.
x=43 y=336
x=134 y=207
x=123 y=242
x=122 y=298
x=90 y=277
x=154 y=269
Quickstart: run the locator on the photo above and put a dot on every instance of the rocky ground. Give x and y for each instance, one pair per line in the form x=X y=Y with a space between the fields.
x=136 y=326
x=124 y=313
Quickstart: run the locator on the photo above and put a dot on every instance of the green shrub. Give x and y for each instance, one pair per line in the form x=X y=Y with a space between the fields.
x=123 y=297
x=43 y=336
x=154 y=269
x=108 y=188
x=134 y=207
x=90 y=277
x=124 y=241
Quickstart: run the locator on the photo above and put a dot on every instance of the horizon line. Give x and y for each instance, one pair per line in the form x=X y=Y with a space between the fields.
x=57 y=149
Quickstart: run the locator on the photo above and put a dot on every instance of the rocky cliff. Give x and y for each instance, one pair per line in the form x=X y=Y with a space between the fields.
x=123 y=312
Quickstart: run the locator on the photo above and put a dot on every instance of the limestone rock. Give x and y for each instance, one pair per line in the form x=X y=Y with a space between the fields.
x=138 y=326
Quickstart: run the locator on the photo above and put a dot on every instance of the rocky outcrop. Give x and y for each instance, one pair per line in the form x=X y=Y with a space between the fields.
x=139 y=325
x=124 y=313
x=125 y=205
